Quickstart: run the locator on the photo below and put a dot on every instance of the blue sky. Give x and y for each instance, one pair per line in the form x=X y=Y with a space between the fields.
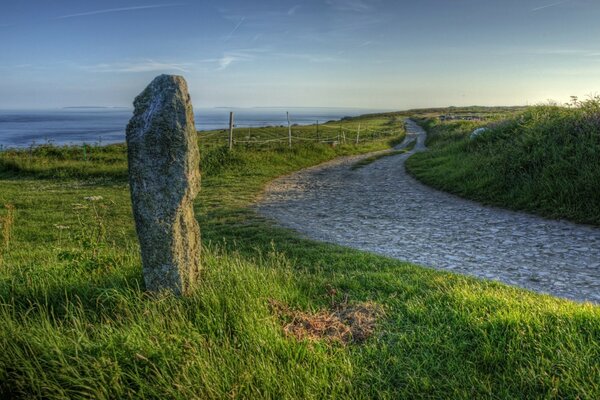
x=328 y=53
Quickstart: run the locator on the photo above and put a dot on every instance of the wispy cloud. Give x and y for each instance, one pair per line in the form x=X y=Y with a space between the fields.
x=230 y=35
x=349 y=5
x=550 y=5
x=138 y=66
x=231 y=57
x=312 y=58
x=566 y=52
x=293 y=10
x=116 y=10
x=575 y=71
x=544 y=52
x=226 y=61
x=548 y=55
x=18 y=66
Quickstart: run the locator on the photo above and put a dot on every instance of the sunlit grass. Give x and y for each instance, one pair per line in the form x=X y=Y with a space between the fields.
x=75 y=321
x=545 y=160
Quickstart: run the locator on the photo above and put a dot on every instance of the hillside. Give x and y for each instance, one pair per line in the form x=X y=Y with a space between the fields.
x=544 y=160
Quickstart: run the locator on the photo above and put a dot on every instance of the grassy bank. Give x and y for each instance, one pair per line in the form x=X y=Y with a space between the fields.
x=75 y=322
x=544 y=160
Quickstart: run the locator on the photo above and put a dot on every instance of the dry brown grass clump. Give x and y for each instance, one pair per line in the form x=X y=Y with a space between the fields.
x=344 y=323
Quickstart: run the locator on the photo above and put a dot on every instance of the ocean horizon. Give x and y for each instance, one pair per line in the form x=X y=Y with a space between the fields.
x=106 y=125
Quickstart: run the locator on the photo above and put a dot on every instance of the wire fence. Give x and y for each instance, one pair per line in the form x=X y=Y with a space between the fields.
x=351 y=131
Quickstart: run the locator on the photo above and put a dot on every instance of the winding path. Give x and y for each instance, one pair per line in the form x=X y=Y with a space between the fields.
x=380 y=208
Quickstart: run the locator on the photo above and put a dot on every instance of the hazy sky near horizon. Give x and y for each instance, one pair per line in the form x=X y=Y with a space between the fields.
x=380 y=54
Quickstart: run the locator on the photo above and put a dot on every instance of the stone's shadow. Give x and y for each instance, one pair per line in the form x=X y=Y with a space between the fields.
x=99 y=299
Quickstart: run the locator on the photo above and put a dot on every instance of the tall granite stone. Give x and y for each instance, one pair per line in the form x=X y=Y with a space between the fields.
x=164 y=178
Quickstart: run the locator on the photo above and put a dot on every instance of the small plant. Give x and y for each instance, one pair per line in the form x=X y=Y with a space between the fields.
x=90 y=236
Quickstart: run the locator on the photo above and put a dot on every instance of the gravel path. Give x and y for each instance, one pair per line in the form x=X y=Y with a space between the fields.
x=380 y=208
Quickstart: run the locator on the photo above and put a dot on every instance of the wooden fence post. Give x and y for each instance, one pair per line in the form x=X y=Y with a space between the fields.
x=318 y=136
x=289 y=129
x=358 y=133
x=231 y=130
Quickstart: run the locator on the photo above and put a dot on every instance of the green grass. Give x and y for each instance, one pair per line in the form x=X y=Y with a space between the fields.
x=544 y=160
x=76 y=323
x=66 y=162
x=345 y=131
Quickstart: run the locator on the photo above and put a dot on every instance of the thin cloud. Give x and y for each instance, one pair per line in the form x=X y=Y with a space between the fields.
x=293 y=10
x=550 y=5
x=568 y=52
x=349 y=5
x=357 y=24
x=225 y=62
x=229 y=58
x=18 y=66
x=544 y=52
x=116 y=10
x=312 y=58
x=142 y=66
x=239 y=24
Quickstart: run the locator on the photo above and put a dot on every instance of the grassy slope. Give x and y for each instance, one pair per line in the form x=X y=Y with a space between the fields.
x=74 y=322
x=545 y=160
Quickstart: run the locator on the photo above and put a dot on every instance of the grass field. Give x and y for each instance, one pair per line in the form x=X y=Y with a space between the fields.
x=76 y=323
x=345 y=131
x=544 y=160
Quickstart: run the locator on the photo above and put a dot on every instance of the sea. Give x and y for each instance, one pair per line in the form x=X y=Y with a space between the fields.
x=99 y=126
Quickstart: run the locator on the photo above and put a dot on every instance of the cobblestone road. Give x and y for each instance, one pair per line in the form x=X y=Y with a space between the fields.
x=380 y=208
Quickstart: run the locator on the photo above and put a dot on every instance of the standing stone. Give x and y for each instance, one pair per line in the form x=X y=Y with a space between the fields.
x=164 y=177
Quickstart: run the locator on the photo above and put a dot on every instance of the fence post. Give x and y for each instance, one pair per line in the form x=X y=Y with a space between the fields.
x=289 y=129
x=358 y=133
x=231 y=130
x=318 y=136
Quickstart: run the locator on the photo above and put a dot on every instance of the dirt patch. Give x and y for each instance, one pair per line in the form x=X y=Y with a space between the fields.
x=344 y=323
